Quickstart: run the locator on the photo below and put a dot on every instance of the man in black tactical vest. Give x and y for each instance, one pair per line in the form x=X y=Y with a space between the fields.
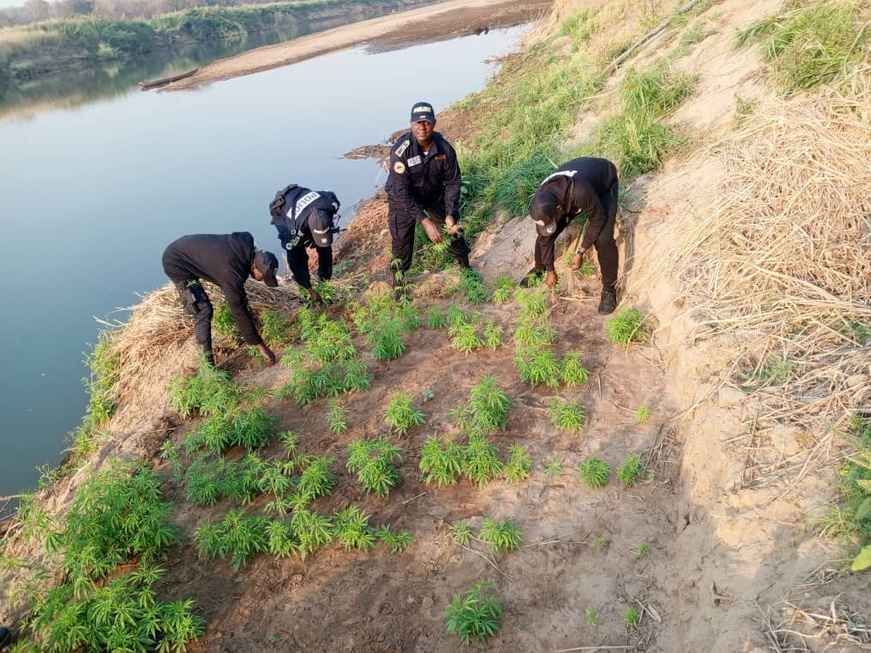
x=306 y=219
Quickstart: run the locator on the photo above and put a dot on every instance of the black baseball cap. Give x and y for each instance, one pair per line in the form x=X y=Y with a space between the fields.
x=543 y=210
x=321 y=225
x=267 y=265
x=422 y=111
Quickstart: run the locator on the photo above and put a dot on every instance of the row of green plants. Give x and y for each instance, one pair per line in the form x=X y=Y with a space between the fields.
x=118 y=517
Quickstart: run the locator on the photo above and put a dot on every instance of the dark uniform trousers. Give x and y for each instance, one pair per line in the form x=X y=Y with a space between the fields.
x=402 y=227
x=196 y=302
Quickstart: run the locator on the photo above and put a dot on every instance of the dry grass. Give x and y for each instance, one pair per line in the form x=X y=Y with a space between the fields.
x=783 y=260
x=158 y=324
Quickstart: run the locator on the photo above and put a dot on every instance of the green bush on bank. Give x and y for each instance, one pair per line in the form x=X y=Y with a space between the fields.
x=812 y=44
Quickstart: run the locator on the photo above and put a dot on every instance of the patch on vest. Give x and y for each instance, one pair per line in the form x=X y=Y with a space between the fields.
x=399 y=167
x=414 y=161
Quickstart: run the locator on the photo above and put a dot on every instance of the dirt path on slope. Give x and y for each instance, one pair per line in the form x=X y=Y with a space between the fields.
x=427 y=24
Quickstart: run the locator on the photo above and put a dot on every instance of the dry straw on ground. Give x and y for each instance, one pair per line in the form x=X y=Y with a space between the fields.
x=783 y=259
x=158 y=323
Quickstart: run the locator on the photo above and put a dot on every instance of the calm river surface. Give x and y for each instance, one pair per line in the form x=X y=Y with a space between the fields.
x=89 y=198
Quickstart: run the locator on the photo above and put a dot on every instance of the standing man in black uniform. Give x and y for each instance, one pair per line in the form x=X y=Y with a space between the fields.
x=423 y=185
x=304 y=219
x=584 y=185
x=226 y=260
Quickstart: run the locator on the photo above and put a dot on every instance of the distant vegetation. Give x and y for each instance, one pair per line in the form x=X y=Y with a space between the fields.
x=77 y=34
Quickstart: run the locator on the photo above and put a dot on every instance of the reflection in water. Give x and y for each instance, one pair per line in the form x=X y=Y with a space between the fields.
x=74 y=88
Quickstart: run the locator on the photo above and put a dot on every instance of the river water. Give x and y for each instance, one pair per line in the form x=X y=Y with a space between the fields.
x=90 y=196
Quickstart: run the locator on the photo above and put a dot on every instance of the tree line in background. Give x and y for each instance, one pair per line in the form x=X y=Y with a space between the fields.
x=86 y=33
x=35 y=11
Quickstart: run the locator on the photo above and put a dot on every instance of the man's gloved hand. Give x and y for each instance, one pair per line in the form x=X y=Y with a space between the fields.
x=550 y=278
x=267 y=354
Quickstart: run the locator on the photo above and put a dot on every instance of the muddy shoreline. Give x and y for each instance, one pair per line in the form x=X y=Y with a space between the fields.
x=442 y=21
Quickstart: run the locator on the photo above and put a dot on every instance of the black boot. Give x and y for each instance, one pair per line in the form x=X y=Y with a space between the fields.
x=463 y=262
x=5 y=635
x=531 y=277
x=608 y=302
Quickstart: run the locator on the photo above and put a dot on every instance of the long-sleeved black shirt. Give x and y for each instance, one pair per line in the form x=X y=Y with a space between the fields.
x=417 y=181
x=222 y=259
x=578 y=185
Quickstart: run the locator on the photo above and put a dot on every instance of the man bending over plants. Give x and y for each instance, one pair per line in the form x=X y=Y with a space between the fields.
x=305 y=219
x=225 y=260
x=583 y=185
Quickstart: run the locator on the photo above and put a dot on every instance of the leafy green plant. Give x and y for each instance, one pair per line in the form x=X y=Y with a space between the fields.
x=487 y=408
x=643 y=550
x=594 y=472
x=567 y=415
x=281 y=542
x=388 y=343
x=474 y=614
x=274 y=327
x=572 y=369
x=223 y=322
x=539 y=367
x=500 y=535
x=627 y=327
x=504 y=290
x=311 y=530
x=492 y=335
x=592 y=618
x=518 y=467
x=441 y=464
x=554 y=467
x=208 y=392
x=465 y=338
x=104 y=366
x=632 y=617
x=351 y=528
x=373 y=461
x=642 y=415
x=472 y=288
x=630 y=472
x=461 y=532
x=481 y=462
x=396 y=542
x=239 y=536
x=402 y=414
x=598 y=543
x=315 y=479
x=337 y=417
x=435 y=318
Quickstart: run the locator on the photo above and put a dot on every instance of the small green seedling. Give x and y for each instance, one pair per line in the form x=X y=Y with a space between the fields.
x=630 y=472
x=475 y=614
x=594 y=472
x=337 y=417
x=554 y=467
x=461 y=532
x=396 y=542
x=632 y=617
x=500 y=535
x=567 y=415
x=573 y=371
x=592 y=618
x=642 y=415
x=643 y=550
x=598 y=544
x=518 y=467
x=402 y=414
x=627 y=327
x=373 y=461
